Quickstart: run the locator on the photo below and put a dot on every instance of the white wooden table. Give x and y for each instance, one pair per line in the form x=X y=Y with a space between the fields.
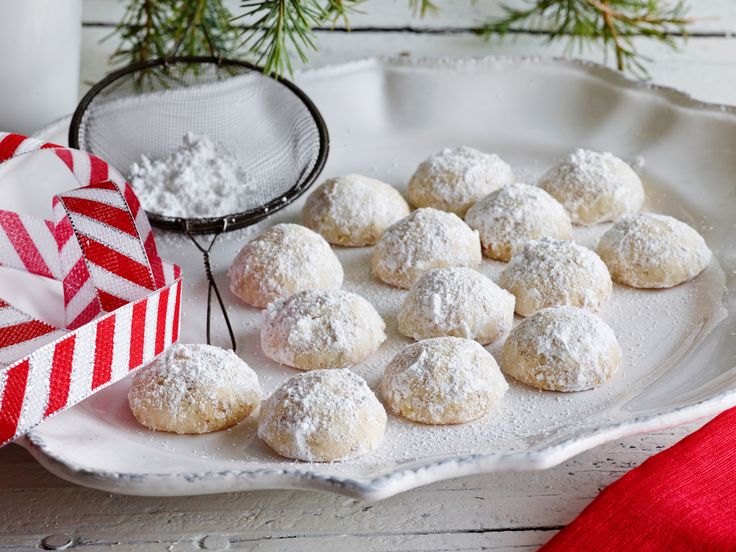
x=491 y=512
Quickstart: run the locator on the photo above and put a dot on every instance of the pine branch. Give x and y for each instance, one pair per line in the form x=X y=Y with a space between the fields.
x=279 y=29
x=153 y=29
x=140 y=39
x=203 y=27
x=283 y=24
x=612 y=23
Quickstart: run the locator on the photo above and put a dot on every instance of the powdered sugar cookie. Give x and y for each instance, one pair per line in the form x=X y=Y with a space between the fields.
x=457 y=301
x=323 y=416
x=594 y=187
x=353 y=210
x=548 y=273
x=426 y=239
x=508 y=218
x=561 y=349
x=321 y=329
x=645 y=250
x=194 y=388
x=445 y=380
x=285 y=259
x=455 y=178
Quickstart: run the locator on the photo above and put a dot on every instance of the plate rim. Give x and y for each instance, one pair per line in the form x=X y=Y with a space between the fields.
x=372 y=488
x=420 y=473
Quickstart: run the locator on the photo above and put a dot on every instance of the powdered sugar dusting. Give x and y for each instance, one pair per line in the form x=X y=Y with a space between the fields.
x=654 y=328
x=651 y=250
x=443 y=380
x=194 y=380
x=323 y=415
x=321 y=329
x=285 y=259
x=457 y=301
x=353 y=209
x=428 y=238
x=198 y=179
x=594 y=187
x=508 y=218
x=562 y=349
x=551 y=272
x=455 y=178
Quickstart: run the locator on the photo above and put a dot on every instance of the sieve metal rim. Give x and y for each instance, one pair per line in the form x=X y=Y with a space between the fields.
x=213 y=225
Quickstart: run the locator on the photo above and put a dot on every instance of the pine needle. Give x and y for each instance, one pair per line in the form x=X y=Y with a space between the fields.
x=282 y=26
x=614 y=24
x=278 y=31
x=153 y=29
x=422 y=7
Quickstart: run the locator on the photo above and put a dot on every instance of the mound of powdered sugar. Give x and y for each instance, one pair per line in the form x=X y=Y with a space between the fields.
x=197 y=179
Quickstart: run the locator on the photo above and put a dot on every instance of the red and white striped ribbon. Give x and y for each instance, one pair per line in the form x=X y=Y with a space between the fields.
x=122 y=301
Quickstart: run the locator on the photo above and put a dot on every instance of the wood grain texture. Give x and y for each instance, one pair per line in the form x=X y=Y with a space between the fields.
x=714 y=16
x=508 y=511
x=704 y=68
x=504 y=511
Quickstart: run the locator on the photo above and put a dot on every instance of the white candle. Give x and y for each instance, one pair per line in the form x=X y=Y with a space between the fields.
x=40 y=44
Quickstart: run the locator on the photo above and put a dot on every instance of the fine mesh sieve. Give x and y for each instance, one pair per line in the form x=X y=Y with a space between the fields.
x=271 y=127
x=273 y=130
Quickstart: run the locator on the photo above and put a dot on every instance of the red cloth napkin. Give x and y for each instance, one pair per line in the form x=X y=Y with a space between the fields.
x=684 y=498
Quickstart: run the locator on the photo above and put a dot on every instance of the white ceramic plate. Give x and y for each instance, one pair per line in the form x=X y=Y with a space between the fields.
x=384 y=117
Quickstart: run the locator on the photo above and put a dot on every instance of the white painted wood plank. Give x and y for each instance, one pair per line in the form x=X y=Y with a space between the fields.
x=496 y=511
x=516 y=541
x=396 y=13
x=705 y=67
x=711 y=15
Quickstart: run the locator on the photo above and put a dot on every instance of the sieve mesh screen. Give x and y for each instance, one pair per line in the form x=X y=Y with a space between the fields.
x=272 y=129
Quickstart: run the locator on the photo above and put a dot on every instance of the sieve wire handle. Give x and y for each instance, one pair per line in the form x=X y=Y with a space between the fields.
x=212 y=286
